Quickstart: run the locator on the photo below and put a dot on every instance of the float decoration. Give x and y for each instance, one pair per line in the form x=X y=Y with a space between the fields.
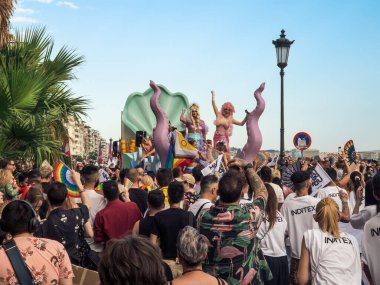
x=254 y=141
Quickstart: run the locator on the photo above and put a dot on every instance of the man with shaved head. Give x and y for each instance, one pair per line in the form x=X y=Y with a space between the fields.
x=136 y=194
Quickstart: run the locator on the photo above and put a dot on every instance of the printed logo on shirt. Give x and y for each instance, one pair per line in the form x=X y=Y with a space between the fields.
x=375 y=232
x=279 y=219
x=335 y=240
x=334 y=195
x=303 y=210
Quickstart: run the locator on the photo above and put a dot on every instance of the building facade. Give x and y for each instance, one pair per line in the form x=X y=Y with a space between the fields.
x=84 y=140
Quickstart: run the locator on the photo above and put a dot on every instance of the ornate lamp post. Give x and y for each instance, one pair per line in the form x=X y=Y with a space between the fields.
x=282 y=45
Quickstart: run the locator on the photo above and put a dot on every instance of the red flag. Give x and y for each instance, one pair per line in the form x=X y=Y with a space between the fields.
x=100 y=154
x=66 y=148
x=110 y=151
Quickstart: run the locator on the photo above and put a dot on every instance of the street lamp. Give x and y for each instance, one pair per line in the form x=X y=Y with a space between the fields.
x=282 y=51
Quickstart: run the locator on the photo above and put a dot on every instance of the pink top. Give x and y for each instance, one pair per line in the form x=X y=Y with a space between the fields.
x=201 y=129
x=46 y=259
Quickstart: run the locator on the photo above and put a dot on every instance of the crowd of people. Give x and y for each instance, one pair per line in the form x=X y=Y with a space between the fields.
x=170 y=227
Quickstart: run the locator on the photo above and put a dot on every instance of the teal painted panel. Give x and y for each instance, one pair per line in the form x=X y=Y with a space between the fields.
x=138 y=116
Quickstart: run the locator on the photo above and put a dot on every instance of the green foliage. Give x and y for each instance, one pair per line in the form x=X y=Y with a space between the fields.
x=35 y=99
x=93 y=155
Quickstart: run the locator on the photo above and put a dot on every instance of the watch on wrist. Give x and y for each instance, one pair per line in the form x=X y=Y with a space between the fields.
x=249 y=165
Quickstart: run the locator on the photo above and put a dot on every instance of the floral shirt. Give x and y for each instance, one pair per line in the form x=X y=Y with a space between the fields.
x=67 y=227
x=46 y=259
x=9 y=192
x=234 y=250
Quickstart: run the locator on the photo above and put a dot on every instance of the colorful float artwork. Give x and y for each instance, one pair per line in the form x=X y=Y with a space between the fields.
x=254 y=140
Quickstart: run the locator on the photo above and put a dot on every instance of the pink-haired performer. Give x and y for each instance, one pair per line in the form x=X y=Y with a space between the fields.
x=223 y=122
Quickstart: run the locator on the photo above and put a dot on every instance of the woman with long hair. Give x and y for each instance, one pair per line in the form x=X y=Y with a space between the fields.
x=196 y=128
x=6 y=186
x=224 y=121
x=271 y=234
x=329 y=256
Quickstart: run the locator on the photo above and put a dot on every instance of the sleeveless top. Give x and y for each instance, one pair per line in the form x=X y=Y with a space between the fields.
x=146 y=225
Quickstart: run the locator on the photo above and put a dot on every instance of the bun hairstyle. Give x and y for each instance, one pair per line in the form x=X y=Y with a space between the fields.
x=191 y=246
x=327 y=216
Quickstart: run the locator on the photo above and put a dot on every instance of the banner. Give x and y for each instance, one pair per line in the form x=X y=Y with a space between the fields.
x=103 y=175
x=273 y=162
x=319 y=179
x=215 y=167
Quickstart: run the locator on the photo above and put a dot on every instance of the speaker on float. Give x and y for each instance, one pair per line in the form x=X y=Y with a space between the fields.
x=139 y=137
x=115 y=149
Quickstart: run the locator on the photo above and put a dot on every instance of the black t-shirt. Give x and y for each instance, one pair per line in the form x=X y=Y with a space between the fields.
x=140 y=197
x=45 y=186
x=167 y=225
x=146 y=226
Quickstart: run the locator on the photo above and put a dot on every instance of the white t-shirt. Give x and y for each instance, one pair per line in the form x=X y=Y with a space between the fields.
x=245 y=200
x=197 y=187
x=198 y=204
x=298 y=213
x=371 y=247
x=333 y=261
x=273 y=240
x=279 y=193
x=333 y=193
x=358 y=220
x=98 y=203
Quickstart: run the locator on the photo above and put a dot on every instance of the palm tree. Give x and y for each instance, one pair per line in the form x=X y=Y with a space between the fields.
x=6 y=11
x=35 y=100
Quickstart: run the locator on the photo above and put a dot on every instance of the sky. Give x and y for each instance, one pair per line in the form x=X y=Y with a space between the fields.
x=332 y=80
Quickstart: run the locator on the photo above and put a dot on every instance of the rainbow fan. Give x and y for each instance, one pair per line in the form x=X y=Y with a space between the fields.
x=349 y=151
x=262 y=159
x=62 y=174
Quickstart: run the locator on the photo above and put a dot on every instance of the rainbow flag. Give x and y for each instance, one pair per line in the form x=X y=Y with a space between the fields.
x=62 y=174
x=180 y=151
x=182 y=148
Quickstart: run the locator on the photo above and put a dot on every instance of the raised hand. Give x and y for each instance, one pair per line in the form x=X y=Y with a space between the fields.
x=237 y=162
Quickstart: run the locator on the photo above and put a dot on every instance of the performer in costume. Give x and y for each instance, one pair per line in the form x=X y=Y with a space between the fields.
x=224 y=121
x=196 y=128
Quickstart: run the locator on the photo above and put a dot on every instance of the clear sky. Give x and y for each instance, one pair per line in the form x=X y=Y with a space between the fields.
x=332 y=81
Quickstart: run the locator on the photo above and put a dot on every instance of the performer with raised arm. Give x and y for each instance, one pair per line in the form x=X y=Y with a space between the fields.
x=196 y=128
x=224 y=121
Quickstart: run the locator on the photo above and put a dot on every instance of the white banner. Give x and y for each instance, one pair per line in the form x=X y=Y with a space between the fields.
x=319 y=179
x=103 y=175
x=215 y=167
x=273 y=162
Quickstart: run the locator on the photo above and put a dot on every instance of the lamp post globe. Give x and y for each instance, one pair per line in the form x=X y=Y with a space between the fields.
x=282 y=46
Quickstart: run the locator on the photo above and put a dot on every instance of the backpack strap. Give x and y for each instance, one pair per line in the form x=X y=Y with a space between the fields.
x=200 y=209
x=22 y=272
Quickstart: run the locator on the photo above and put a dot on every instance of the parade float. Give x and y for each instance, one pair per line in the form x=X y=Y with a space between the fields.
x=154 y=125
x=138 y=122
